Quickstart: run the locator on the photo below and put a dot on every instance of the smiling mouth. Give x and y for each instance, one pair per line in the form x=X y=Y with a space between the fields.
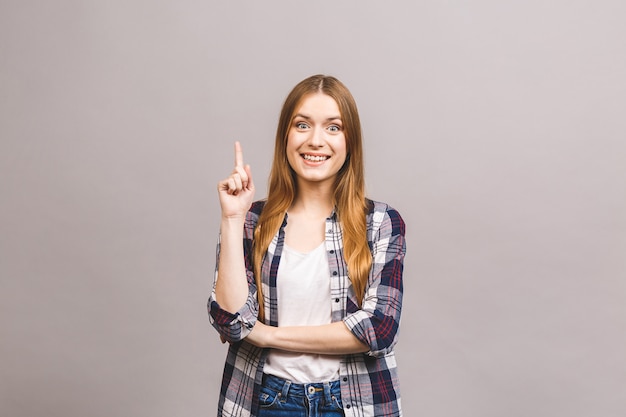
x=315 y=158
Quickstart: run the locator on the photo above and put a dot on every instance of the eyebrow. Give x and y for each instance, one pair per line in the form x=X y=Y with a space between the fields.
x=304 y=116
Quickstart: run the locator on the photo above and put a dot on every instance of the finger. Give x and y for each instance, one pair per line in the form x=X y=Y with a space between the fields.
x=222 y=185
x=238 y=183
x=238 y=155
x=248 y=170
x=243 y=175
x=232 y=186
x=227 y=185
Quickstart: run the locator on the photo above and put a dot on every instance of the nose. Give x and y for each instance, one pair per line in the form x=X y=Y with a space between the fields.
x=317 y=137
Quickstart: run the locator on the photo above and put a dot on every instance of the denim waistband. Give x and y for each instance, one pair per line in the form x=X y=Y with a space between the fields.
x=310 y=390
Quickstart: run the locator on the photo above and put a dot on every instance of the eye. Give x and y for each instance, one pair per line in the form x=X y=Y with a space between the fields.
x=334 y=128
x=301 y=125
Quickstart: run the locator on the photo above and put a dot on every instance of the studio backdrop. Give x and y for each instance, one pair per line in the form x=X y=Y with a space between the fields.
x=496 y=128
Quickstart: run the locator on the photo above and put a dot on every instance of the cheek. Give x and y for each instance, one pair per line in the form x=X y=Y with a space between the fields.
x=289 y=147
x=341 y=146
x=291 y=151
x=293 y=141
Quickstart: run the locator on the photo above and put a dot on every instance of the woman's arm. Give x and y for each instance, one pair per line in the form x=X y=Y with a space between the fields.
x=232 y=306
x=235 y=323
x=333 y=339
x=377 y=322
x=236 y=194
x=374 y=327
x=231 y=286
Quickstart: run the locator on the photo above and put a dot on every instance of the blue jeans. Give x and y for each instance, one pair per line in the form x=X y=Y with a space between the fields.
x=283 y=398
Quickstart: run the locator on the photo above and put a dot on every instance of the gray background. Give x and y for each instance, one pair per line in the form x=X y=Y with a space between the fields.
x=497 y=128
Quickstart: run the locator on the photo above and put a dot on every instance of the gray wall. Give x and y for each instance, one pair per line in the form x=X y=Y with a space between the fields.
x=497 y=128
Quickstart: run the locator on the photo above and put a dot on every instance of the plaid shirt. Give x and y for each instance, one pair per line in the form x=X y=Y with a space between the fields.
x=369 y=381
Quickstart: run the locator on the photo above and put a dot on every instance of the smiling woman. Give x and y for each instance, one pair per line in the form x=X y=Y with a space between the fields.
x=311 y=302
x=316 y=144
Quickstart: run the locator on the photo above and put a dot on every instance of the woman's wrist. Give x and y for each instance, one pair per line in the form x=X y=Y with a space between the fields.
x=234 y=219
x=232 y=224
x=262 y=335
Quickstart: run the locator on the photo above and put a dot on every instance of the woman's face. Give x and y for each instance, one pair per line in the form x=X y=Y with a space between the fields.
x=316 y=144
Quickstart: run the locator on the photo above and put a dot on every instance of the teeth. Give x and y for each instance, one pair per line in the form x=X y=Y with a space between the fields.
x=315 y=158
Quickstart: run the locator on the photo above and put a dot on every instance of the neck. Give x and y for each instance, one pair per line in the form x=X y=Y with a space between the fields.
x=314 y=201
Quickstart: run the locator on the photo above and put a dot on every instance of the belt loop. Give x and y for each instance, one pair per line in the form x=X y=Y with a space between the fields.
x=285 y=390
x=328 y=397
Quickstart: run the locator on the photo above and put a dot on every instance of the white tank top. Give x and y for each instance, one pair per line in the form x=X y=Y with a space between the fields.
x=303 y=288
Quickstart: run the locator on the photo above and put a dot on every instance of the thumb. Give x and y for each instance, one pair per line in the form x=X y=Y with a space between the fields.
x=250 y=182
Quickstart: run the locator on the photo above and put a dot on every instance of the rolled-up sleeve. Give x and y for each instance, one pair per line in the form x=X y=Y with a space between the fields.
x=377 y=322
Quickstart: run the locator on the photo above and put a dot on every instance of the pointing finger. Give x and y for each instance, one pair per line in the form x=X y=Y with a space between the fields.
x=238 y=155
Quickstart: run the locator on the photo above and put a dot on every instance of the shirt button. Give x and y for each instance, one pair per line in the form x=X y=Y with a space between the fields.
x=348 y=406
x=332 y=251
x=336 y=300
x=329 y=230
x=345 y=378
x=334 y=273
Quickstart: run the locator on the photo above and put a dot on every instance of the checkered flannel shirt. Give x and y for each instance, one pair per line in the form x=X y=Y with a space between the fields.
x=369 y=381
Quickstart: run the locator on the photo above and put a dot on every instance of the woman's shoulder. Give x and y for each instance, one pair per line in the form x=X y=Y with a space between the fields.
x=382 y=215
x=377 y=208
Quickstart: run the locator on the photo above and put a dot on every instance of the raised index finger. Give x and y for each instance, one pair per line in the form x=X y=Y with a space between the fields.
x=238 y=155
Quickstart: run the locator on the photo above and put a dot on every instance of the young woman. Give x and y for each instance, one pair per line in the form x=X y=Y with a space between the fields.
x=310 y=302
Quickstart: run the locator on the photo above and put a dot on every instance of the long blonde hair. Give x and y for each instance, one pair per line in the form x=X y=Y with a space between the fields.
x=349 y=195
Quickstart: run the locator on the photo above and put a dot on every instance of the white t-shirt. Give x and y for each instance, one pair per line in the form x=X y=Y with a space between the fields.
x=303 y=288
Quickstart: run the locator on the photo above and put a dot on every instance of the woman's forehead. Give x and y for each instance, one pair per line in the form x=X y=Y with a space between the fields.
x=318 y=105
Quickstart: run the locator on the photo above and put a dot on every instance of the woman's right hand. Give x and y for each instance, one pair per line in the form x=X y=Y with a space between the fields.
x=237 y=191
